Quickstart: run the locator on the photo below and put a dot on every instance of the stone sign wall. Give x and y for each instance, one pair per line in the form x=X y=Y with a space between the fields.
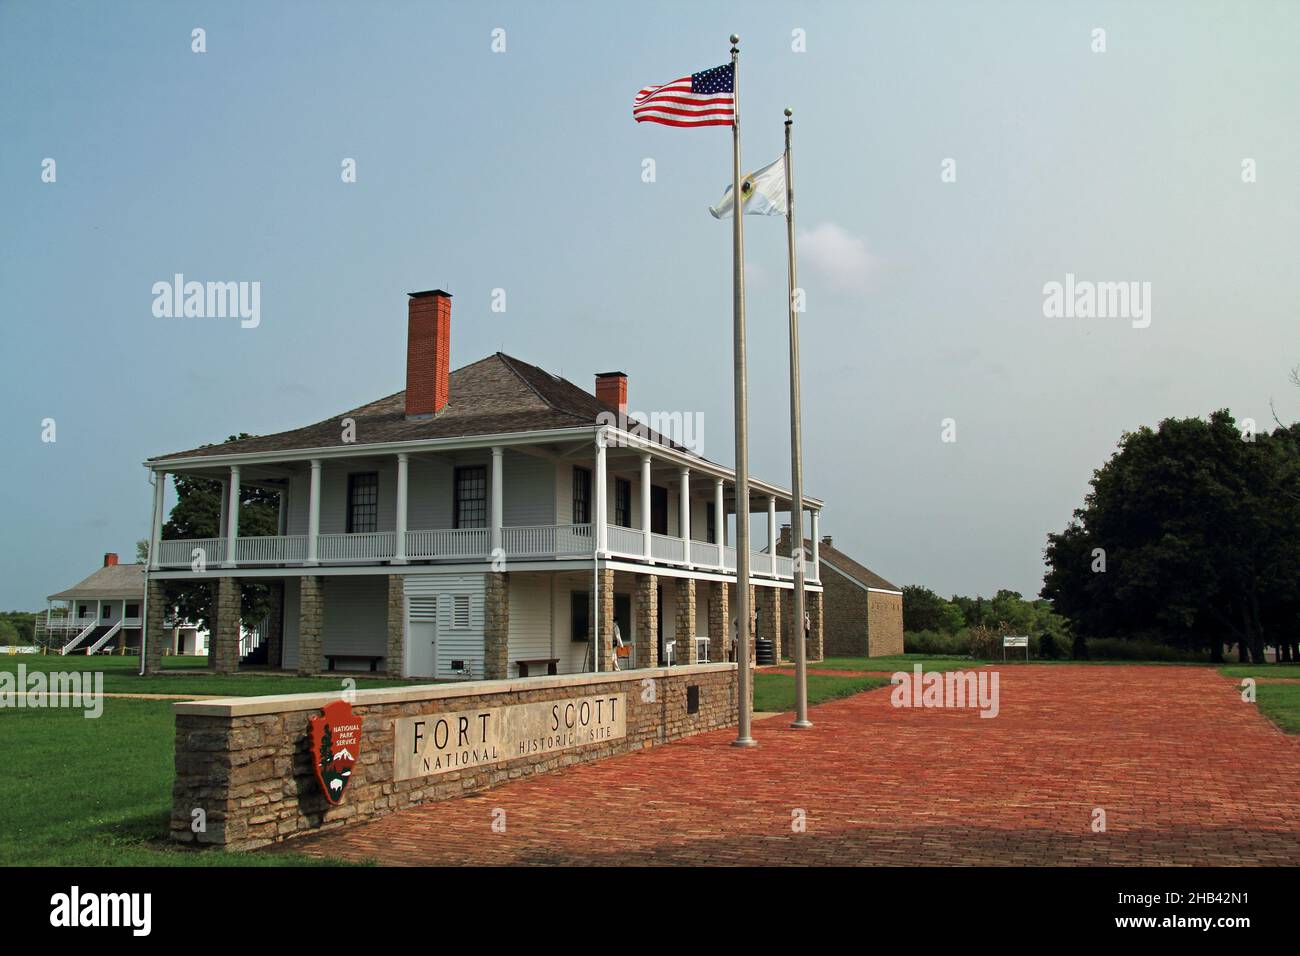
x=244 y=772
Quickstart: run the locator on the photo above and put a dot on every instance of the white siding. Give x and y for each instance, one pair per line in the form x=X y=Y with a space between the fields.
x=355 y=618
x=429 y=496
x=434 y=594
x=528 y=486
x=531 y=619
x=289 y=638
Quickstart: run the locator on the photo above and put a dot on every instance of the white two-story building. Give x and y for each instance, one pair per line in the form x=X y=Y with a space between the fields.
x=488 y=522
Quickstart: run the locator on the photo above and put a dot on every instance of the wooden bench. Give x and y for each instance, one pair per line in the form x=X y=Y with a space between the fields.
x=374 y=661
x=552 y=665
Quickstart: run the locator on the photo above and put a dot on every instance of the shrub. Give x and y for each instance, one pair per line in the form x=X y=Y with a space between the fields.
x=1079 y=650
x=1120 y=649
x=936 y=642
x=1047 y=647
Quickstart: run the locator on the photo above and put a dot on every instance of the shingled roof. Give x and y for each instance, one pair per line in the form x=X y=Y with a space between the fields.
x=113 y=581
x=496 y=395
x=844 y=564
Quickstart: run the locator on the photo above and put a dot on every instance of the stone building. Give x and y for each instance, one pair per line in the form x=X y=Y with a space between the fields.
x=863 y=613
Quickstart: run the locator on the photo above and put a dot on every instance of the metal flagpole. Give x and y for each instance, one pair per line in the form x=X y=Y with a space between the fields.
x=745 y=702
x=796 y=460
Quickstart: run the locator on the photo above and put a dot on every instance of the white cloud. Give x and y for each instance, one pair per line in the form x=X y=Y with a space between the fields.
x=837 y=256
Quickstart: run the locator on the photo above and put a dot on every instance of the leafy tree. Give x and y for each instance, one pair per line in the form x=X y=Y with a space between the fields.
x=1187 y=537
x=197 y=514
x=923 y=610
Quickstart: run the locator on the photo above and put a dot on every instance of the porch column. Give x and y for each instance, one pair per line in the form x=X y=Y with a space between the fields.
x=232 y=519
x=719 y=520
x=602 y=611
x=771 y=532
x=223 y=650
x=313 y=513
x=817 y=624
x=494 y=518
x=496 y=625
x=310 y=614
x=647 y=620
x=719 y=621
x=395 y=657
x=645 y=507
x=684 y=515
x=399 y=524
x=684 y=633
x=155 y=530
x=602 y=531
x=155 y=633
x=816 y=541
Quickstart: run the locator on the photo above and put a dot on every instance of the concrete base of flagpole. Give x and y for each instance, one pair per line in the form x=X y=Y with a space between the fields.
x=744 y=742
x=802 y=724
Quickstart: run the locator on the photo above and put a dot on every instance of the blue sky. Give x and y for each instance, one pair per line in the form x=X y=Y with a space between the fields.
x=522 y=170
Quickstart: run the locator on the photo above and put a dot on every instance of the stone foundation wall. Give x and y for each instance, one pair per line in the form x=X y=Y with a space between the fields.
x=311 y=611
x=223 y=652
x=246 y=762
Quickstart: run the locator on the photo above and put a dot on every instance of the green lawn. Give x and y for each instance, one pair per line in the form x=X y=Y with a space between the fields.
x=775 y=692
x=1260 y=670
x=896 y=662
x=78 y=792
x=1280 y=703
x=121 y=677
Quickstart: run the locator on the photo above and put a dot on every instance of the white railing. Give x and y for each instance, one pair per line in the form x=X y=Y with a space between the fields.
x=664 y=548
x=573 y=539
x=272 y=549
x=94 y=648
x=447 y=543
x=466 y=544
x=180 y=552
x=704 y=553
x=346 y=548
x=78 y=639
x=629 y=541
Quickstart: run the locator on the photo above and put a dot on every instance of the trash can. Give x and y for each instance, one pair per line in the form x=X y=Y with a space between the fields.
x=764 y=652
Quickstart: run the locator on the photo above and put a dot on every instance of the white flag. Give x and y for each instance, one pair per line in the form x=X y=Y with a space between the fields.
x=764 y=193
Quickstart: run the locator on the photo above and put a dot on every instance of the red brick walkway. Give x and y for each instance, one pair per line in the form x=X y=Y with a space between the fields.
x=1186 y=772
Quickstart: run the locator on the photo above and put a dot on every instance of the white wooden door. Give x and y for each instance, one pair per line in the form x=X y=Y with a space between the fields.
x=424 y=648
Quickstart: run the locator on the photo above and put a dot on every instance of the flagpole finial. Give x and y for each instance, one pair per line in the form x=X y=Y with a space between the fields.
x=735 y=42
x=788 y=113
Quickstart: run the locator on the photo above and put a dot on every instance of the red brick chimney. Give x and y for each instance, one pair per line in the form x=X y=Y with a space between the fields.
x=428 y=352
x=110 y=559
x=611 y=388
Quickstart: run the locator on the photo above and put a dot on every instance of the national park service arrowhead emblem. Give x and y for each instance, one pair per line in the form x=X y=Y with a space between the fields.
x=335 y=748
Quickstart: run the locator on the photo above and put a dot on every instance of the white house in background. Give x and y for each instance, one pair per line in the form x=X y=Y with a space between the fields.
x=102 y=614
x=464 y=527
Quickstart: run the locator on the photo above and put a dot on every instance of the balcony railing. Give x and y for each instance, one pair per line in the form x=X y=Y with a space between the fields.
x=528 y=542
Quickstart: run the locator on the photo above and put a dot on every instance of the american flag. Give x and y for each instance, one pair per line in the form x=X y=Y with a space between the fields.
x=707 y=98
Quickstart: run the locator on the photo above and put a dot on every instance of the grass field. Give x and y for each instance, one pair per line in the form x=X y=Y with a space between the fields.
x=79 y=792
x=896 y=662
x=121 y=677
x=1280 y=703
x=775 y=692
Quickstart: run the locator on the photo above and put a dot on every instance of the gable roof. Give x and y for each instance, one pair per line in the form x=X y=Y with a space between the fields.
x=115 y=581
x=495 y=395
x=841 y=562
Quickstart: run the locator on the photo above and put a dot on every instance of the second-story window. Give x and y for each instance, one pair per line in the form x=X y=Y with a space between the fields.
x=622 y=502
x=581 y=495
x=363 y=502
x=471 y=497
